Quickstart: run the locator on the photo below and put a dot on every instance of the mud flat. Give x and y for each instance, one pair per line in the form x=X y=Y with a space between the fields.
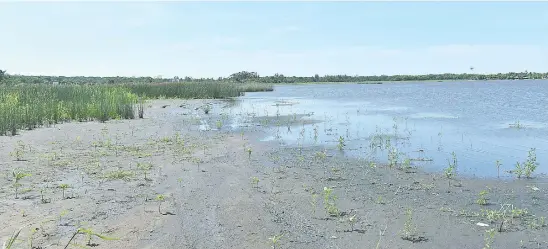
x=181 y=178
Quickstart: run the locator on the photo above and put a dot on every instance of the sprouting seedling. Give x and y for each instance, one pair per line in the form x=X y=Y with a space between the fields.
x=145 y=167
x=19 y=151
x=275 y=240
x=450 y=170
x=531 y=163
x=482 y=197
x=498 y=168
x=352 y=220
x=62 y=214
x=393 y=157
x=89 y=234
x=341 y=144
x=17 y=176
x=380 y=200
x=42 y=199
x=528 y=167
x=489 y=238
x=330 y=200
x=255 y=182
x=160 y=198
x=219 y=124
x=33 y=230
x=407 y=163
x=314 y=203
x=409 y=229
x=518 y=170
x=249 y=152
x=64 y=186
x=9 y=243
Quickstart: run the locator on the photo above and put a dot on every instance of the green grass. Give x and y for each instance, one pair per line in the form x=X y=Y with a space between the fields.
x=32 y=106
x=197 y=90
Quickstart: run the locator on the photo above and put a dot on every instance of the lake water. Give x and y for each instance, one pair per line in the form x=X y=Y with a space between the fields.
x=427 y=120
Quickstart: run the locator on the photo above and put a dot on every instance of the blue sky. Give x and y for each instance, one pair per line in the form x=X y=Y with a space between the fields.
x=210 y=39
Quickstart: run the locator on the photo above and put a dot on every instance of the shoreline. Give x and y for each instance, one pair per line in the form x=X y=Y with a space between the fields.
x=226 y=189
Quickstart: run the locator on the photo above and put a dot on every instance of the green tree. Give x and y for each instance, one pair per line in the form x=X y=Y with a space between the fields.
x=2 y=75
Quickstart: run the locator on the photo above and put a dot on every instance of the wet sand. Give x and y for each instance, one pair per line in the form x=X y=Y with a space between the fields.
x=226 y=189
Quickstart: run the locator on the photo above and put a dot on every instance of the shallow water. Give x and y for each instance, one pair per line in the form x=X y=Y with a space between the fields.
x=472 y=119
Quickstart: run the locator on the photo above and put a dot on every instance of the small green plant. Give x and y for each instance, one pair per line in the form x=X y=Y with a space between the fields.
x=314 y=203
x=17 y=177
x=275 y=240
x=145 y=167
x=531 y=163
x=538 y=223
x=489 y=238
x=409 y=231
x=249 y=153
x=518 y=170
x=341 y=144
x=160 y=198
x=89 y=234
x=528 y=167
x=255 y=182
x=450 y=170
x=64 y=187
x=482 y=197
x=380 y=200
x=498 y=168
x=219 y=124
x=32 y=231
x=11 y=240
x=406 y=163
x=393 y=157
x=42 y=198
x=352 y=220
x=330 y=202
x=19 y=151
x=516 y=125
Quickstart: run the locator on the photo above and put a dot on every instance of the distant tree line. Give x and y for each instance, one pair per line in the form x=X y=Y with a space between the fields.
x=245 y=76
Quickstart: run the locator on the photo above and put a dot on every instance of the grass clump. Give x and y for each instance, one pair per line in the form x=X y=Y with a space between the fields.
x=119 y=175
x=32 y=106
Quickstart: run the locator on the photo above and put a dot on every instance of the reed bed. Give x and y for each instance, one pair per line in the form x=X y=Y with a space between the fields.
x=192 y=90
x=32 y=106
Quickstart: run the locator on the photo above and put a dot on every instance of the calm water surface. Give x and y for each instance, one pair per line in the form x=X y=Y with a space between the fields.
x=471 y=119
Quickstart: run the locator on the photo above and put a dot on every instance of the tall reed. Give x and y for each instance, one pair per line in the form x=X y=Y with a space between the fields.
x=196 y=90
x=27 y=106
x=32 y=106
